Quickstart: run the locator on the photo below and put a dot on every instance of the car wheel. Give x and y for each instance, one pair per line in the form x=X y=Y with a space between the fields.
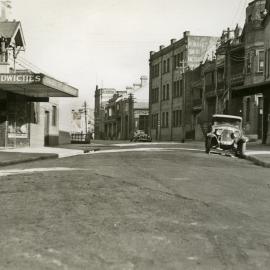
x=207 y=145
x=241 y=149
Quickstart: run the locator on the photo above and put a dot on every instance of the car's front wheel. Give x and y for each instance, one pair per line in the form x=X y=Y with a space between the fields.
x=207 y=145
x=241 y=149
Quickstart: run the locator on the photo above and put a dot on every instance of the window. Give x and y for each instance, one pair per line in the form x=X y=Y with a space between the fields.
x=177 y=118
x=177 y=88
x=155 y=70
x=155 y=95
x=168 y=65
x=168 y=92
x=165 y=120
x=268 y=64
x=164 y=66
x=261 y=61
x=163 y=92
x=248 y=109
x=54 y=115
x=248 y=63
x=154 y=122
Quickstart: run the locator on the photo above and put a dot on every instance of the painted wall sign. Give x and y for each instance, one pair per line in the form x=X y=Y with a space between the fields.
x=20 y=78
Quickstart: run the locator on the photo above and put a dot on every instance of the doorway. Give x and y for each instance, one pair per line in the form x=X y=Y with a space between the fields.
x=46 y=128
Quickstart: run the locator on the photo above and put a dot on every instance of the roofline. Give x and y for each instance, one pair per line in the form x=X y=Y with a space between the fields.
x=176 y=44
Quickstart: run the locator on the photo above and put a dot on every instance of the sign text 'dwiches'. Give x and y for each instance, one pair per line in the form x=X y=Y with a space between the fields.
x=20 y=78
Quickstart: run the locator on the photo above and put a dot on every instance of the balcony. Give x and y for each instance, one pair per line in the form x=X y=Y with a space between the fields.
x=237 y=79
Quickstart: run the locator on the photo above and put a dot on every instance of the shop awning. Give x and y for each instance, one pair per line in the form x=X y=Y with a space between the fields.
x=36 y=85
x=252 y=89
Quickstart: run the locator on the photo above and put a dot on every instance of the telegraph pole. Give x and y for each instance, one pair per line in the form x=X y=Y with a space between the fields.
x=85 y=116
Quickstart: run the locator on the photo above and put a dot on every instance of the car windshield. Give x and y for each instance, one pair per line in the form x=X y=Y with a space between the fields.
x=227 y=121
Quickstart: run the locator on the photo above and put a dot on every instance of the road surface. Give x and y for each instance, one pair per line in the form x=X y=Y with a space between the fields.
x=162 y=208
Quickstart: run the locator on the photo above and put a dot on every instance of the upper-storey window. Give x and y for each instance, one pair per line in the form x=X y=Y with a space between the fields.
x=261 y=61
x=155 y=70
x=166 y=65
x=248 y=63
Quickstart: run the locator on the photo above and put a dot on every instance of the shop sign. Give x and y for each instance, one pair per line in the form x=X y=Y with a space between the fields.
x=17 y=135
x=20 y=78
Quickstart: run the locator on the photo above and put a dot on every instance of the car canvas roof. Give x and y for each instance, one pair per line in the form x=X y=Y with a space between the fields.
x=227 y=116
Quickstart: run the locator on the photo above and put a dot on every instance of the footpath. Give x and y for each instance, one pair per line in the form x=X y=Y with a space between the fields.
x=257 y=153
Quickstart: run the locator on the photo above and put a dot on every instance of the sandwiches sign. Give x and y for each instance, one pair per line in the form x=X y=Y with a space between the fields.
x=20 y=78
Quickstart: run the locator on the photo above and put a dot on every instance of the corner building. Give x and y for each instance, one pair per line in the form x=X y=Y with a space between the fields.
x=168 y=98
x=29 y=114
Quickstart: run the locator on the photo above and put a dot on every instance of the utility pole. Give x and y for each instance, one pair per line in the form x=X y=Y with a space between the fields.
x=85 y=116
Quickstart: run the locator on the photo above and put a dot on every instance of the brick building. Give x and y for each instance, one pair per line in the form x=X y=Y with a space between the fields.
x=102 y=96
x=168 y=100
x=266 y=105
x=233 y=82
x=127 y=112
x=28 y=115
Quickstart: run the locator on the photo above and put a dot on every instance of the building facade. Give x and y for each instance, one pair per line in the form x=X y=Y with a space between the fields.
x=102 y=96
x=233 y=82
x=168 y=100
x=127 y=112
x=28 y=114
x=266 y=105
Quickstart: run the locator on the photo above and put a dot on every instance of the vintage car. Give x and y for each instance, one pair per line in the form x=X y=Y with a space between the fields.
x=140 y=136
x=226 y=135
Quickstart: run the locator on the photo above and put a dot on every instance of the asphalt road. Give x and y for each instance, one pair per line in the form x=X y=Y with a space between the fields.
x=139 y=209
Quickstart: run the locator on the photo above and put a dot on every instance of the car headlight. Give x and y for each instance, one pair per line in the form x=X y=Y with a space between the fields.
x=219 y=132
x=236 y=134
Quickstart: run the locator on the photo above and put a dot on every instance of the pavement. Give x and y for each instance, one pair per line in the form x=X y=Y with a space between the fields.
x=10 y=156
x=256 y=152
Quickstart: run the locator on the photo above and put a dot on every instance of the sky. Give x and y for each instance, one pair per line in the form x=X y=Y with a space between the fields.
x=107 y=43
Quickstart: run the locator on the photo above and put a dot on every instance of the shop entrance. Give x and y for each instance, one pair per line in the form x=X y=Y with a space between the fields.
x=3 y=119
x=46 y=128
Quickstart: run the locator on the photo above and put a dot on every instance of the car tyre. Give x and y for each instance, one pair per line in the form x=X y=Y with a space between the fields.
x=207 y=145
x=241 y=149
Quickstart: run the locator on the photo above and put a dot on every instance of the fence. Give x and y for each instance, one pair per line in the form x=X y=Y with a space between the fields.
x=80 y=138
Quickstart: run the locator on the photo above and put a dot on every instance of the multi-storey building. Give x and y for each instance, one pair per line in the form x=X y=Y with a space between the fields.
x=102 y=96
x=168 y=100
x=233 y=82
x=266 y=105
x=127 y=112
x=247 y=97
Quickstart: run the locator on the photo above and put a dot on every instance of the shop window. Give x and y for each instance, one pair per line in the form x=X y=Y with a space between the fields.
x=54 y=115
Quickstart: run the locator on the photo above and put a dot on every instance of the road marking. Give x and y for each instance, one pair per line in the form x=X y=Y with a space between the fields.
x=180 y=179
x=144 y=149
x=193 y=258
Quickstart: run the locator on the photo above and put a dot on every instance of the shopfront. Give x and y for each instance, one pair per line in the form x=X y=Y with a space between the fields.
x=28 y=110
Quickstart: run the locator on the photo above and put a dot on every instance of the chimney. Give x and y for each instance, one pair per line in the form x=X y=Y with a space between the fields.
x=173 y=40
x=161 y=47
x=186 y=33
x=143 y=80
x=5 y=6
